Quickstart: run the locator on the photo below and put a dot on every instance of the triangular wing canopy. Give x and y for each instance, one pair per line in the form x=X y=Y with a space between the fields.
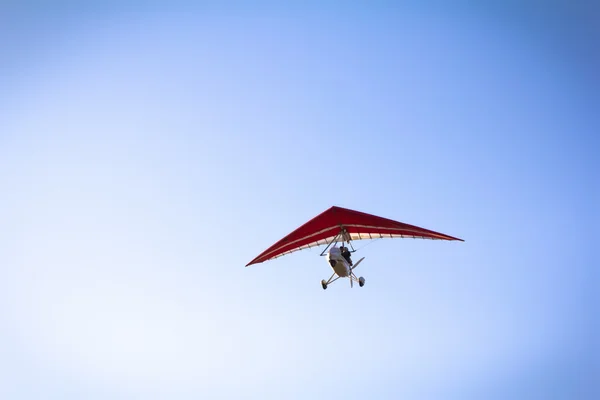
x=358 y=225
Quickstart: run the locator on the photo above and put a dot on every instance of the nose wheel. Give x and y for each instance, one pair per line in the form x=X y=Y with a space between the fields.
x=361 y=281
x=324 y=284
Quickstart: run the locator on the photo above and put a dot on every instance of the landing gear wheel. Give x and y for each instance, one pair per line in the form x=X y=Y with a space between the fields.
x=361 y=281
x=324 y=284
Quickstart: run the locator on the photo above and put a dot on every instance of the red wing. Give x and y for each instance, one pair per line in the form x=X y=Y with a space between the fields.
x=327 y=225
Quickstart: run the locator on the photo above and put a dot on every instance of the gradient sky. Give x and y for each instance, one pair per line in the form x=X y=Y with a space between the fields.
x=148 y=152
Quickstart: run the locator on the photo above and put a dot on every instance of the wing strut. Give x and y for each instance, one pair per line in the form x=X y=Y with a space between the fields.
x=334 y=240
x=344 y=236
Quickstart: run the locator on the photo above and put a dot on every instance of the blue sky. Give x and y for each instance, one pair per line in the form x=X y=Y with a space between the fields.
x=147 y=153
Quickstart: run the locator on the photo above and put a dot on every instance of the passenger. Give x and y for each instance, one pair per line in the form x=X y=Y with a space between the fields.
x=346 y=254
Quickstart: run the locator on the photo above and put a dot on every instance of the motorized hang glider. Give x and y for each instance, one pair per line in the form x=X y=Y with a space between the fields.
x=342 y=225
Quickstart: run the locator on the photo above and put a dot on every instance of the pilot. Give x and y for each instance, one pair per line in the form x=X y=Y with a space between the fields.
x=334 y=253
x=346 y=254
